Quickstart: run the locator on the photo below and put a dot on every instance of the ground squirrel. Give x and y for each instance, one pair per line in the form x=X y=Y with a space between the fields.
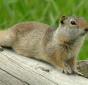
x=56 y=46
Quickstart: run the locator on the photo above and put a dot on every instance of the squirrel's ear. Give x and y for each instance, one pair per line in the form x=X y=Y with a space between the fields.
x=62 y=19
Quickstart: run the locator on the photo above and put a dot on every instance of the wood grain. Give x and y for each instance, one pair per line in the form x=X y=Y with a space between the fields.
x=27 y=71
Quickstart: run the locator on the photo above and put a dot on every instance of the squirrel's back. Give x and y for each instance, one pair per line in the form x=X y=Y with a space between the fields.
x=29 y=26
x=30 y=37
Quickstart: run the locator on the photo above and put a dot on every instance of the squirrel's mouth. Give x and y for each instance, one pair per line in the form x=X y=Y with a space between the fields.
x=85 y=32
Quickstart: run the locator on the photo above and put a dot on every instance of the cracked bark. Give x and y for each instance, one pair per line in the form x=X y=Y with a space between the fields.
x=82 y=66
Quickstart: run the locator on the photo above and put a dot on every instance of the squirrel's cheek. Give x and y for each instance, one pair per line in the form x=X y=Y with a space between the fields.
x=82 y=23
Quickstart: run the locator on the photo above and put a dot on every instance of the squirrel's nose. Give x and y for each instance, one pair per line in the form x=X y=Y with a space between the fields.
x=86 y=29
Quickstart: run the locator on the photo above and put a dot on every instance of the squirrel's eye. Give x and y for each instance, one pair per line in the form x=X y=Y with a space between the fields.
x=73 y=23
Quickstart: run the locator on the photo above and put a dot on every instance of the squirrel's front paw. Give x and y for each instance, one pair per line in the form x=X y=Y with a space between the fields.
x=66 y=71
x=77 y=73
x=1 y=49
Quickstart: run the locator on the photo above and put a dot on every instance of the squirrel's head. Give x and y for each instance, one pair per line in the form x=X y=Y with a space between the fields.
x=76 y=24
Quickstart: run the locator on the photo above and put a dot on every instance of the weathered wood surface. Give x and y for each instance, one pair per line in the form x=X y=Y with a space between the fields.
x=82 y=66
x=18 y=70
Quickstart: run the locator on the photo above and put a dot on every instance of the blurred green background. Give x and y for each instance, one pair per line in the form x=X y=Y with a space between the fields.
x=46 y=11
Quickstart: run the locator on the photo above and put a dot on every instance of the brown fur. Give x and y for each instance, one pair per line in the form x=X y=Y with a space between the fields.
x=33 y=39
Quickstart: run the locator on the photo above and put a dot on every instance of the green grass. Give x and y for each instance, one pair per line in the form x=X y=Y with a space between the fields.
x=46 y=11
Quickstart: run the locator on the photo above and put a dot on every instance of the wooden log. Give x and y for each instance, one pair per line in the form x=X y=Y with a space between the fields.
x=82 y=66
x=19 y=70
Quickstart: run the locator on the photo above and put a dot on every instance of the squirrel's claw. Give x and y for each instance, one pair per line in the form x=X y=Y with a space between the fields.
x=72 y=73
x=66 y=72
x=1 y=49
x=77 y=73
